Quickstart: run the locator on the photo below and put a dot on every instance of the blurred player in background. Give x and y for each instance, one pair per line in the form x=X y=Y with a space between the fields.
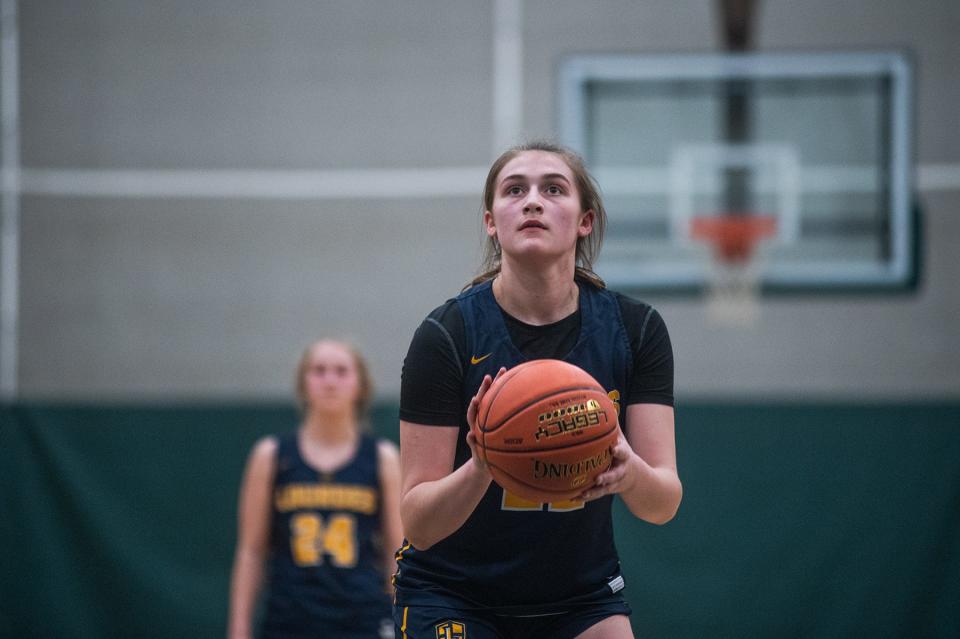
x=479 y=562
x=319 y=509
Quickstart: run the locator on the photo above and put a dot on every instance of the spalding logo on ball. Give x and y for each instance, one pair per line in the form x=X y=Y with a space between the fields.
x=545 y=429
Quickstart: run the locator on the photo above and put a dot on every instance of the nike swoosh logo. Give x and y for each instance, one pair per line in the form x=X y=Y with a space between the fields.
x=476 y=360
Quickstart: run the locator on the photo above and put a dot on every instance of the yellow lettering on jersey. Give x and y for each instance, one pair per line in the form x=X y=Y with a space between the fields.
x=614 y=395
x=359 y=499
x=304 y=532
x=339 y=540
x=565 y=506
x=310 y=540
x=513 y=502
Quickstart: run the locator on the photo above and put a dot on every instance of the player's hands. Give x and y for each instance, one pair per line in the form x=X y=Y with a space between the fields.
x=620 y=477
x=472 y=411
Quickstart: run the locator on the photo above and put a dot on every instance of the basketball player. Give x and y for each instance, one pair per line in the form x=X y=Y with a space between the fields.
x=319 y=507
x=477 y=561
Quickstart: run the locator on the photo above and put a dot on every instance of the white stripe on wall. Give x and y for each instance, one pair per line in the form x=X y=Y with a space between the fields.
x=465 y=181
x=828 y=178
x=247 y=184
x=938 y=177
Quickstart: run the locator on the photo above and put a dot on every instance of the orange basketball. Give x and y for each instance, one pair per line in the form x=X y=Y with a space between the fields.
x=545 y=429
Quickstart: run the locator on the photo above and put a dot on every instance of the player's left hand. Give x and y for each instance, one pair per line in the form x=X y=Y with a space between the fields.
x=621 y=475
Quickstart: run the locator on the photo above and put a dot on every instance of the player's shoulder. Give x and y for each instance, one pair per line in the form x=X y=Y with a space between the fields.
x=388 y=460
x=262 y=459
x=386 y=447
x=387 y=451
x=447 y=313
x=443 y=325
x=266 y=446
x=639 y=317
x=631 y=306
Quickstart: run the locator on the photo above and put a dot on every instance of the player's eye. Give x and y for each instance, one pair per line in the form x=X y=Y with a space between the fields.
x=554 y=189
x=516 y=189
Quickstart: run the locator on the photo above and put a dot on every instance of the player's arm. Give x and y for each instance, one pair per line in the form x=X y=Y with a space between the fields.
x=391 y=529
x=644 y=470
x=436 y=500
x=253 y=536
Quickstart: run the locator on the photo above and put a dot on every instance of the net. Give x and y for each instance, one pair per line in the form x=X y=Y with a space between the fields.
x=735 y=265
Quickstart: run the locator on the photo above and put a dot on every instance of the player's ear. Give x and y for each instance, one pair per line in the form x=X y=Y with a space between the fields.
x=490 y=224
x=586 y=223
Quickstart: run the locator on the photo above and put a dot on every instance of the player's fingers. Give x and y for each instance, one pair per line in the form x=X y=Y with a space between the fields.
x=592 y=494
x=472 y=411
x=598 y=490
x=484 y=385
x=611 y=477
x=487 y=383
x=474 y=405
x=475 y=449
x=588 y=495
x=621 y=450
x=607 y=483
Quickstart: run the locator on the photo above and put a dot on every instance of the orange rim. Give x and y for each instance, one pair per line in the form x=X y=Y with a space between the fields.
x=734 y=237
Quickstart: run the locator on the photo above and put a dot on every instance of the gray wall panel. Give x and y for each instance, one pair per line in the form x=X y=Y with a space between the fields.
x=198 y=299
x=129 y=298
x=219 y=84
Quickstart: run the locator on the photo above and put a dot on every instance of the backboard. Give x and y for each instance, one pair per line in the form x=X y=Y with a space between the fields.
x=820 y=141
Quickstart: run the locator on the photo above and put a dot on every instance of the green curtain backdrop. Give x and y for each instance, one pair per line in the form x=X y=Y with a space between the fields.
x=826 y=520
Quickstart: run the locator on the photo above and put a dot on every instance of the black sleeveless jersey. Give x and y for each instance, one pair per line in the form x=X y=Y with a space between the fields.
x=514 y=556
x=325 y=566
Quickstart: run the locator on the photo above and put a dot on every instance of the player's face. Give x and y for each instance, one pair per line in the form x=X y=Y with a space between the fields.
x=536 y=208
x=331 y=379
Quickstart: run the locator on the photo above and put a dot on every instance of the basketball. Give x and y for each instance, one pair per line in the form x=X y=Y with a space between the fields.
x=545 y=429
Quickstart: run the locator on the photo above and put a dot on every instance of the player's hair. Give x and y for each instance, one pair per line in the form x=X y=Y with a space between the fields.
x=364 y=397
x=588 y=248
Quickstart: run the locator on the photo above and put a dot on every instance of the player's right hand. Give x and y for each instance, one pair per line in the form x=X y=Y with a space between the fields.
x=472 y=411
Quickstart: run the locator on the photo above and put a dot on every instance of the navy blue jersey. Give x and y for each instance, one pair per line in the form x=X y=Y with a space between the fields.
x=514 y=556
x=325 y=565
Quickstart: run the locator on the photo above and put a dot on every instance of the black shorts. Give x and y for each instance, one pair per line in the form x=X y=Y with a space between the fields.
x=447 y=620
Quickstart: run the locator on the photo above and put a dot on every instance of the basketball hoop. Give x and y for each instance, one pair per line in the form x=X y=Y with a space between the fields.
x=733 y=284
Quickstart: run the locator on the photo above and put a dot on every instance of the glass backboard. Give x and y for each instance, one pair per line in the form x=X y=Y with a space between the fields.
x=822 y=142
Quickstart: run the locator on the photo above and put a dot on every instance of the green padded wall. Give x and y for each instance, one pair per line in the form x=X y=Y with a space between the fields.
x=826 y=520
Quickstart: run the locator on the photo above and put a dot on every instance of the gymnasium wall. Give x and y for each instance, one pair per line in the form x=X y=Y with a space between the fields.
x=817 y=520
x=147 y=274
